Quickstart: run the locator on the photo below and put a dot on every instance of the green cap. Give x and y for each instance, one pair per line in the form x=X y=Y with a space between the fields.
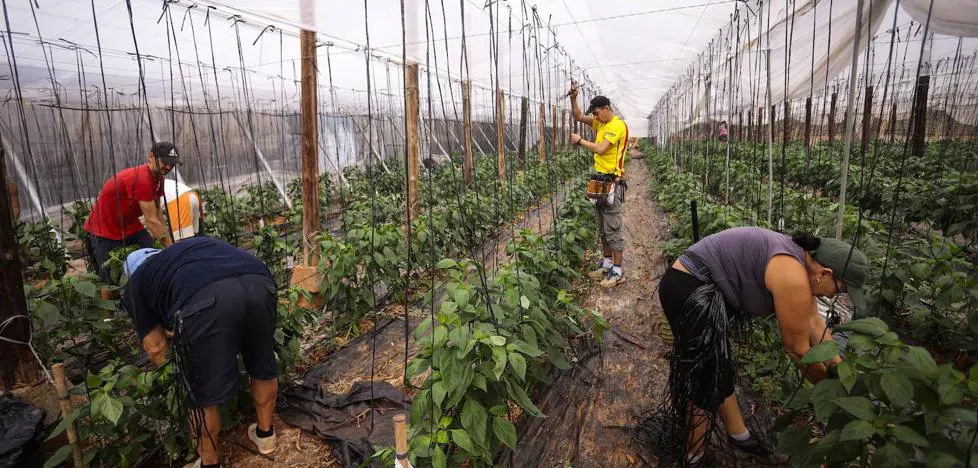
x=847 y=263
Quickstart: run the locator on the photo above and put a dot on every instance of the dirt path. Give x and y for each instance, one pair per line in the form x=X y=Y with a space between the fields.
x=590 y=407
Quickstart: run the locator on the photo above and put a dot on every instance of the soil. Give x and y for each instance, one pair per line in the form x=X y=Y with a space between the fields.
x=592 y=408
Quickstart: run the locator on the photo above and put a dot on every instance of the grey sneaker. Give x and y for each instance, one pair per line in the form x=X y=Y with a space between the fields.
x=613 y=279
x=266 y=445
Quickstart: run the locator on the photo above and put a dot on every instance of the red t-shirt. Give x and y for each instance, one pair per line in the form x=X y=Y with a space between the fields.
x=122 y=194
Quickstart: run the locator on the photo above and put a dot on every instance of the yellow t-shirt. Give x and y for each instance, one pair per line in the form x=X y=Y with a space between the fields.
x=611 y=161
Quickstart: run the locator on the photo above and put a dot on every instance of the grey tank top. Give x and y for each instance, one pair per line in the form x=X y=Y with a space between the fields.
x=735 y=260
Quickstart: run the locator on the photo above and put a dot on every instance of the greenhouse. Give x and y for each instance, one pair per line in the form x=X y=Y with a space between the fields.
x=466 y=233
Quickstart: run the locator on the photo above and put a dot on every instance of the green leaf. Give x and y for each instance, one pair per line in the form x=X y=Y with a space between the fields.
x=461 y=296
x=821 y=353
x=519 y=395
x=518 y=363
x=891 y=456
x=48 y=313
x=474 y=420
x=910 y=436
x=498 y=410
x=108 y=407
x=446 y=263
x=527 y=348
x=937 y=459
x=858 y=406
x=438 y=392
x=438 y=459
x=897 y=388
x=847 y=375
x=479 y=381
x=524 y=302
x=86 y=288
x=441 y=335
x=950 y=393
x=505 y=431
x=65 y=422
x=464 y=441
x=59 y=457
x=857 y=430
x=823 y=398
x=499 y=358
x=871 y=326
x=794 y=441
x=497 y=340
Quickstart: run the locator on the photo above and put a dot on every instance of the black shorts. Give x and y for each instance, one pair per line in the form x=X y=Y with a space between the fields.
x=225 y=318
x=712 y=379
x=101 y=247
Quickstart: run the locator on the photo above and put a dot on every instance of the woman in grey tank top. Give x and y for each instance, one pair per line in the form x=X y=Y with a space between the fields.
x=735 y=274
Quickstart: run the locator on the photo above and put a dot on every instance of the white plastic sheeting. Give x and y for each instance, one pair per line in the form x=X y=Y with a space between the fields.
x=811 y=46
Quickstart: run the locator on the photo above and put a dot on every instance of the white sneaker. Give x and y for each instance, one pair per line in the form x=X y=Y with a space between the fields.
x=266 y=445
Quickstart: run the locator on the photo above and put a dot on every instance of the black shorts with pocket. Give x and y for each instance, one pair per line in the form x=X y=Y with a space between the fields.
x=712 y=379
x=231 y=316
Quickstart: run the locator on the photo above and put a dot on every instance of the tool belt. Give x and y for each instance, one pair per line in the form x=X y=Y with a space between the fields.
x=599 y=185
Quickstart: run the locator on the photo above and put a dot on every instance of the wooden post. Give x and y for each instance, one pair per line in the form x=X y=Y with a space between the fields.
x=524 y=111
x=553 y=142
x=306 y=275
x=750 y=125
x=786 y=124
x=400 y=441
x=835 y=97
x=19 y=365
x=808 y=122
x=563 y=129
x=64 y=401
x=919 y=134
x=500 y=133
x=893 y=122
x=467 y=124
x=867 y=118
x=543 y=133
x=310 y=146
x=412 y=105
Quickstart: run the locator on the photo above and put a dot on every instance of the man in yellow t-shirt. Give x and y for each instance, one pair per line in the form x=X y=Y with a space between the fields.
x=609 y=149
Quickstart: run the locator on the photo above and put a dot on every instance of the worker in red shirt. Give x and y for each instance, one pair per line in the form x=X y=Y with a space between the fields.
x=129 y=194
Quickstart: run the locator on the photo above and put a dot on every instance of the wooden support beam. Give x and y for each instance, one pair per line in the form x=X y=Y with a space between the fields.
x=832 y=106
x=412 y=107
x=542 y=145
x=867 y=118
x=750 y=125
x=563 y=130
x=305 y=275
x=786 y=124
x=919 y=133
x=501 y=133
x=553 y=139
x=18 y=365
x=808 y=122
x=524 y=112
x=893 y=122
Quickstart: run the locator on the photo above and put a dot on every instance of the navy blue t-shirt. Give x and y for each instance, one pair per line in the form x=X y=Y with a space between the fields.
x=160 y=286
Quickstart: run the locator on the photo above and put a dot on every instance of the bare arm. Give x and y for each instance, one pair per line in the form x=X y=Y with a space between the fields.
x=795 y=308
x=154 y=221
x=576 y=110
x=597 y=148
x=156 y=345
